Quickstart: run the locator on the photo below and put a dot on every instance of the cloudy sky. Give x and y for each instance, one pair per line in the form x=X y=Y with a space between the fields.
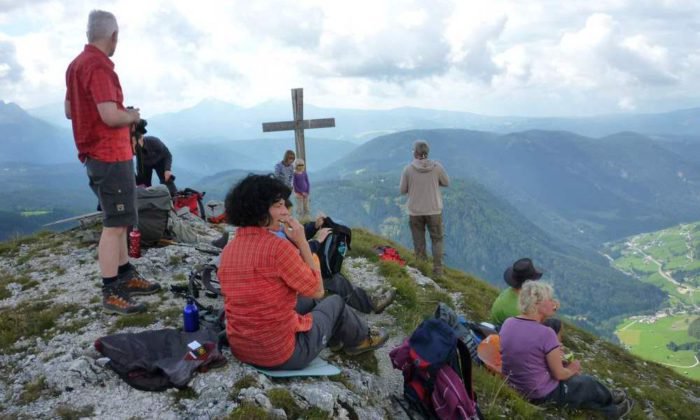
x=530 y=58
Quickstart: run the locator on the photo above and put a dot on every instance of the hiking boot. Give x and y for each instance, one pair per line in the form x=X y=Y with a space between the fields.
x=622 y=409
x=117 y=301
x=381 y=302
x=374 y=340
x=336 y=347
x=618 y=395
x=135 y=285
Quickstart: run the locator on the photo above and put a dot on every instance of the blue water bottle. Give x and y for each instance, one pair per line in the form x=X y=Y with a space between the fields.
x=191 y=316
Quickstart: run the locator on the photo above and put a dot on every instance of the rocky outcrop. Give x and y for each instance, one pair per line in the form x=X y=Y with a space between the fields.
x=54 y=371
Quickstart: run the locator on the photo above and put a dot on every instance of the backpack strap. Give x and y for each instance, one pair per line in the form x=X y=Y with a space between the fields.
x=201 y=278
x=465 y=368
x=207 y=280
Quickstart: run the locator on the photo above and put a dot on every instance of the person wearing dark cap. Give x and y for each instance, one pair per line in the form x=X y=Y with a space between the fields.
x=152 y=155
x=506 y=304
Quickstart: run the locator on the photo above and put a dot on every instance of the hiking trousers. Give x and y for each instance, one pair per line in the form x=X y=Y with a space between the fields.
x=303 y=209
x=356 y=297
x=581 y=391
x=434 y=224
x=144 y=176
x=333 y=323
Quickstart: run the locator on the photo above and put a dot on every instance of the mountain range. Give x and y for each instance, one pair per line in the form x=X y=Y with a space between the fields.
x=576 y=188
x=215 y=118
x=552 y=195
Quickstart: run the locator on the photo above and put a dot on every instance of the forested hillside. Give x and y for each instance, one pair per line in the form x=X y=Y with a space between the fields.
x=575 y=188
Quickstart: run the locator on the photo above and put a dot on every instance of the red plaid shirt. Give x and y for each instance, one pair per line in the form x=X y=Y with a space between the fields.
x=260 y=277
x=90 y=80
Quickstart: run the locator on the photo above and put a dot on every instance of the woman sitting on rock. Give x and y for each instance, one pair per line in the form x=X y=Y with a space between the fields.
x=269 y=286
x=532 y=359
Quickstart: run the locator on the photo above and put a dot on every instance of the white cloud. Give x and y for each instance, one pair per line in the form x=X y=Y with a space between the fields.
x=498 y=57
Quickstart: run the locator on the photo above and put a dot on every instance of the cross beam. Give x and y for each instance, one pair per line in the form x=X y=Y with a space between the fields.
x=299 y=124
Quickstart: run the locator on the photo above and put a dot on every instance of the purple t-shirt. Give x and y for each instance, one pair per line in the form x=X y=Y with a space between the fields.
x=301 y=182
x=524 y=347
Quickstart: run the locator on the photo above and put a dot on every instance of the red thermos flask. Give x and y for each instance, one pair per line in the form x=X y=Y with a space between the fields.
x=135 y=243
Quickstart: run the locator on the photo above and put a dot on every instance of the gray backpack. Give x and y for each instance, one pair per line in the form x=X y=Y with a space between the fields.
x=153 y=205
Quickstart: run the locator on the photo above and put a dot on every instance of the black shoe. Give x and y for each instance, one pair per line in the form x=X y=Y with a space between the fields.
x=117 y=301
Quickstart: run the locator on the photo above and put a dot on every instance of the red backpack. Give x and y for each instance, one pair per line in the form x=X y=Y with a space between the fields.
x=428 y=360
x=191 y=199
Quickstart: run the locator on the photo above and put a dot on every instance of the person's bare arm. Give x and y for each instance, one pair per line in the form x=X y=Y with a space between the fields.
x=556 y=366
x=115 y=117
x=66 y=108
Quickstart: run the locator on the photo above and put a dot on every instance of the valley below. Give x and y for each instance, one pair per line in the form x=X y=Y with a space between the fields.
x=667 y=259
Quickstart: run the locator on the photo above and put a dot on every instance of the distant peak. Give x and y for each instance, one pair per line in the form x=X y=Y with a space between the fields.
x=215 y=103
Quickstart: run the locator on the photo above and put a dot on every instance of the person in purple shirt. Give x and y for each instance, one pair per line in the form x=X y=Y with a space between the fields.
x=533 y=360
x=302 y=189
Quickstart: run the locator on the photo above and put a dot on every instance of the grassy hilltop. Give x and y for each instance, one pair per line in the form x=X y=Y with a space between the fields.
x=43 y=265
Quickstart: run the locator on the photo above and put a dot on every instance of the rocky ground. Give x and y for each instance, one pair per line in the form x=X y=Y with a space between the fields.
x=56 y=372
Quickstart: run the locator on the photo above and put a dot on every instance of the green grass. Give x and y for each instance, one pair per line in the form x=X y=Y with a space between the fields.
x=33 y=390
x=282 y=398
x=29 y=321
x=11 y=247
x=65 y=412
x=22 y=279
x=243 y=383
x=134 y=320
x=186 y=393
x=248 y=411
x=649 y=342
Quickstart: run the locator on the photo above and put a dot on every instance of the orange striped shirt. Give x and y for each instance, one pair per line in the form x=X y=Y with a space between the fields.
x=260 y=277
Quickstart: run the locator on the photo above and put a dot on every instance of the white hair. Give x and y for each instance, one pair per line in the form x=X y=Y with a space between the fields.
x=532 y=293
x=101 y=25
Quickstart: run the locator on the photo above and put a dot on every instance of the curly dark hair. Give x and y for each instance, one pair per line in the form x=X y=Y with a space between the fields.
x=248 y=202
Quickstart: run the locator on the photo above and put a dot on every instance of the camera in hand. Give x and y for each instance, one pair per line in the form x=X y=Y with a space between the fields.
x=140 y=128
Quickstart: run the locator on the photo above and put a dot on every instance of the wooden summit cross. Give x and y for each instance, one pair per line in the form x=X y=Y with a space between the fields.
x=299 y=124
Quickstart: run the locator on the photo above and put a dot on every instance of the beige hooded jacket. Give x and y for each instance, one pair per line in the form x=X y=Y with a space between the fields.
x=421 y=180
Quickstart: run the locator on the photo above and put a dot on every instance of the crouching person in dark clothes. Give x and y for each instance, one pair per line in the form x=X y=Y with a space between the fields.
x=152 y=155
x=269 y=286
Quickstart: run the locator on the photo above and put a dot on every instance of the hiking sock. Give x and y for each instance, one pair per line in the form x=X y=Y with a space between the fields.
x=124 y=268
x=109 y=281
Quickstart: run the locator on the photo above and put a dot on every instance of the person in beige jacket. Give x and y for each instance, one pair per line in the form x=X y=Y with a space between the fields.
x=421 y=180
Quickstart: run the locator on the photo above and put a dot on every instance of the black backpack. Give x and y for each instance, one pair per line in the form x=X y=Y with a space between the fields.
x=334 y=248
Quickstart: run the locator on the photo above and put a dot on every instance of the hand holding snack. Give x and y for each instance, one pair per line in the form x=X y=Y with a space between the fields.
x=294 y=231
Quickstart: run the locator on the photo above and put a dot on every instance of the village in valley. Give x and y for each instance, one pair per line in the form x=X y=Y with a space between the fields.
x=667 y=259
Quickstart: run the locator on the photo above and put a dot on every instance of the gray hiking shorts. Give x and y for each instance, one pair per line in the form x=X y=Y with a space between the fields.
x=114 y=184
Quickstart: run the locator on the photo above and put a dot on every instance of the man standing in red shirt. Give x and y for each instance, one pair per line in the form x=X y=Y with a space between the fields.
x=101 y=128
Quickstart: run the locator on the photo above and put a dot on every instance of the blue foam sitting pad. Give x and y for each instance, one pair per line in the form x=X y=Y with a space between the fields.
x=317 y=367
